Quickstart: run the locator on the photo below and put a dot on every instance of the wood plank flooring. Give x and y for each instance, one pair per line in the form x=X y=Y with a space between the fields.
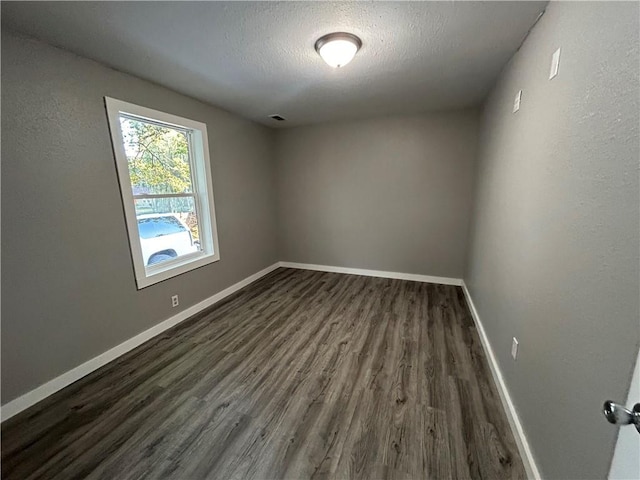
x=301 y=375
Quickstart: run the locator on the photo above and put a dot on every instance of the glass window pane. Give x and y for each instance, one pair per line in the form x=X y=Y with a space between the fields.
x=158 y=226
x=157 y=156
x=167 y=228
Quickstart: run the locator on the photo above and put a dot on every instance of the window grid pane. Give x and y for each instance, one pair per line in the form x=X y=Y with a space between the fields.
x=186 y=210
x=167 y=228
x=159 y=157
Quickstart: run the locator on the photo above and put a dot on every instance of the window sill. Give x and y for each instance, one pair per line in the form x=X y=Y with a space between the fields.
x=172 y=268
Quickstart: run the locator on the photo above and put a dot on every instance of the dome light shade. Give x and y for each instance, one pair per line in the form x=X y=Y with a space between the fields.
x=338 y=49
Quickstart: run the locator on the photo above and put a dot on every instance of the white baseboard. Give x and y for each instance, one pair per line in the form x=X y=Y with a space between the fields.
x=374 y=273
x=43 y=391
x=510 y=409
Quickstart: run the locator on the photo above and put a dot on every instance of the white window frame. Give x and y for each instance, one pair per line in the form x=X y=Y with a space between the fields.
x=202 y=189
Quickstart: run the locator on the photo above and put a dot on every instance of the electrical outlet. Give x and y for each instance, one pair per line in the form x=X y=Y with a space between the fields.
x=174 y=301
x=514 y=348
x=555 y=63
x=516 y=101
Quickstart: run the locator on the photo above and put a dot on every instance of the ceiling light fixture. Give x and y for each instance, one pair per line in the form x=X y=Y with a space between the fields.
x=338 y=49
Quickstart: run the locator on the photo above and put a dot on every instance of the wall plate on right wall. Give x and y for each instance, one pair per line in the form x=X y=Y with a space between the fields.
x=555 y=63
x=514 y=348
x=516 y=101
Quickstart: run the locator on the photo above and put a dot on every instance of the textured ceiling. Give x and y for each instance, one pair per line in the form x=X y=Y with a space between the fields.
x=257 y=58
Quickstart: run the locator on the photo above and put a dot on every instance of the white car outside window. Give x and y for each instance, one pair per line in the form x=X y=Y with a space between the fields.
x=164 y=237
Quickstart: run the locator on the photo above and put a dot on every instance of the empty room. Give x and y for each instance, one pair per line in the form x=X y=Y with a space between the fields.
x=320 y=240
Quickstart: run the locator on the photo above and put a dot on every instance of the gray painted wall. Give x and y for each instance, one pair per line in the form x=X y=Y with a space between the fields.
x=68 y=286
x=390 y=193
x=554 y=257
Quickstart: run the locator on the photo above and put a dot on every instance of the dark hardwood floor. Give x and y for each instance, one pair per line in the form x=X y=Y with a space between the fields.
x=300 y=375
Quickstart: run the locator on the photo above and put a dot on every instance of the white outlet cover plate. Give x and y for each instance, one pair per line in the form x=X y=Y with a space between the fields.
x=555 y=63
x=514 y=348
x=516 y=101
